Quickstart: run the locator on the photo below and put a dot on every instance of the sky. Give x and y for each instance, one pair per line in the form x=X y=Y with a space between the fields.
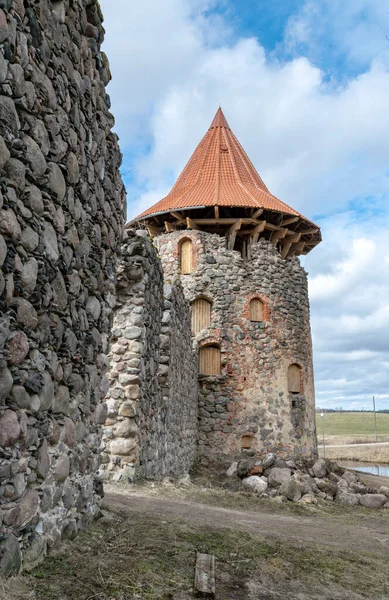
x=304 y=85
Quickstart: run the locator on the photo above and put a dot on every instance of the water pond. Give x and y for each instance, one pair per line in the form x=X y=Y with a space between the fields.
x=374 y=469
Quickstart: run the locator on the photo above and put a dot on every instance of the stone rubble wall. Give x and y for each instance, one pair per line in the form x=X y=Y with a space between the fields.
x=151 y=429
x=250 y=398
x=61 y=219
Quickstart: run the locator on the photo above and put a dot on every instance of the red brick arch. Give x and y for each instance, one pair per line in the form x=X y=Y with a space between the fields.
x=265 y=302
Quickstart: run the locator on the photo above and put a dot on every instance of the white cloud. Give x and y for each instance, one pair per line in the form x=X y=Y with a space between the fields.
x=352 y=29
x=319 y=143
x=346 y=274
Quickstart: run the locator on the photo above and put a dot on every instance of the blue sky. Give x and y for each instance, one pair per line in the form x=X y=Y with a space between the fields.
x=304 y=85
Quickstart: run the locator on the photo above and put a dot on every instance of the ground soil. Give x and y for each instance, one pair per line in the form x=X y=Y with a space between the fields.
x=368 y=534
x=145 y=546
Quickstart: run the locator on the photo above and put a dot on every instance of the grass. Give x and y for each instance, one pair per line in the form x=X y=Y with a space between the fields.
x=146 y=558
x=353 y=424
x=16 y=588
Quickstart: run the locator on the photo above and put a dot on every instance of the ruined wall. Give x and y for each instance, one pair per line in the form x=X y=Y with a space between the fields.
x=250 y=398
x=151 y=429
x=61 y=217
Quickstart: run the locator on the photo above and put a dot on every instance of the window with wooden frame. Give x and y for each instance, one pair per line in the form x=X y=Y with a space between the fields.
x=209 y=360
x=186 y=257
x=256 y=310
x=294 y=379
x=201 y=315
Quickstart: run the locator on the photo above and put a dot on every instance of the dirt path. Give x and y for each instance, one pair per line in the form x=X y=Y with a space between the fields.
x=370 y=535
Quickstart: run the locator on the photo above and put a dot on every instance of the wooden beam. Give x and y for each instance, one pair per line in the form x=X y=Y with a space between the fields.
x=277 y=235
x=170 y=227
x=153 y=230
x=178 y=216
x=309 y=231
x=192 y=224
x=257 y=213
x=312 y=243
x=204 y=584
x=231 y=234
x=292 y=237
x=224 y=221
x=289 y=221
x=256 y=231
x=296 y=249
x=249 y=245
x=271 y=227
x=285 y=249
x=216 y=212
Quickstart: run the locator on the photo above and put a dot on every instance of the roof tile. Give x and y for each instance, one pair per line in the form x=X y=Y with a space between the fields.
x=219 y=173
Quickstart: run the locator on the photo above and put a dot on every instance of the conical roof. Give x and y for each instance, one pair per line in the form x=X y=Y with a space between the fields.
x=219 y=173
x=219 y=191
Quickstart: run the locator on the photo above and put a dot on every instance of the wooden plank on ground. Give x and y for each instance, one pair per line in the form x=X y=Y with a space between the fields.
x=204 y=586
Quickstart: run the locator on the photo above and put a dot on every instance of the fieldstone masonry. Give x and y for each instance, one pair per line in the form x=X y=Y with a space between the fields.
x=250 y=399
x=151 y=428
x=61 y=219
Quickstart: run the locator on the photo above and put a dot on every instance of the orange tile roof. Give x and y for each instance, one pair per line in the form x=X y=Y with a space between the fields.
x=219 y=173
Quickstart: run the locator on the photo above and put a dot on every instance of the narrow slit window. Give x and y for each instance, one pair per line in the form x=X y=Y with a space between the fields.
x=201 y=315
x=209 y=360
x=294 y=379
x=186 y=257
x=256 y=310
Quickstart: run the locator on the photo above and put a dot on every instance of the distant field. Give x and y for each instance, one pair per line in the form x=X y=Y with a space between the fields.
x=353 y=425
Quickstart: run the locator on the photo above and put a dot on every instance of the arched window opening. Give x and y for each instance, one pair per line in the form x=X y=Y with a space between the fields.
x=294 y=379
x=201 y=315
x=209 y=360
x=247 y=440
x=186 y=258
x=256 y=310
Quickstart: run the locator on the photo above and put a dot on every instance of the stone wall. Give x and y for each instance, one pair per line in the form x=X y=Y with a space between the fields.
x=249 y=405
x=61 y=218
x=151 y=429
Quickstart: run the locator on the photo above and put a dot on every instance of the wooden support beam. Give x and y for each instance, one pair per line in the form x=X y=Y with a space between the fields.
x=178 y=216
x=277 y=235
x=204 y=584
x=170 y=227
x=153 y=230
x=285 y=249
x=292 y=237
x=271 y=227
x=216 y=212
x=192 y=224
x=257 y=213
x=249 y=245
x=231 y=234
x=224 y=221
x=289 y=221
x=296 y=249
x=308 y=231
x=256 y=231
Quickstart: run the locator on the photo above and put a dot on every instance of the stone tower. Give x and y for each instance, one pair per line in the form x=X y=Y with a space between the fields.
x=234 y=247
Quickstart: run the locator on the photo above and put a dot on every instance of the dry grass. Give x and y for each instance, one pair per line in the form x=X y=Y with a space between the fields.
x=16 y=588
x=140 y=556
x=373 y=454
